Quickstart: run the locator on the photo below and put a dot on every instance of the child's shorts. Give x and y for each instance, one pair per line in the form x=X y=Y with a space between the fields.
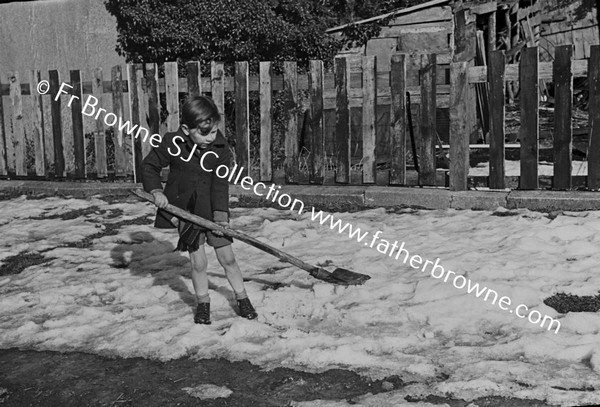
x=191 y=238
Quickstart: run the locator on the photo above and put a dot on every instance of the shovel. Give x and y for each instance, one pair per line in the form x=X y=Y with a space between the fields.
x=338 y=276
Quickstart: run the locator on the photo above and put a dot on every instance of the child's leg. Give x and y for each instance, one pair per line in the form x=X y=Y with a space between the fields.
x=232 y=270
x=199 y=276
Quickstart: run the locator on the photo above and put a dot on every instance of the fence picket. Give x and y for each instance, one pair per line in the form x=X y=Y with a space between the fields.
x=290 y=85
x=529 y=129
x=427 y=164
x=37 y=123
x=194 y=79
x=217 y=82
x=459 y=126
x=100 y=133
x=563 y=134
x=369 y=119
x=123 y=154
x=594 y=110
x=77 y=118
x=136 y=100
x=153 y=104
x=172 y=96
x=398 y=120
x=317 y=141
x=266 y=122
x=59 y=156
x=3 y=139
x=496 y=66
x=17 y=124
x=342 y=121
x=242 y=118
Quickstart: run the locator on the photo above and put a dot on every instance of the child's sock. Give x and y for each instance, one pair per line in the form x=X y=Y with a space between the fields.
x=203 y=298
x=240 y=295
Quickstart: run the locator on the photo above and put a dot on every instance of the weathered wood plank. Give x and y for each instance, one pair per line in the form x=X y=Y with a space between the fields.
x=100 y=133
x=290 y=78
x=153 y=104
x=47 y=127
x=459 y=127
x=496 y=117
x=594 y=111
x=427 y=160
x=342 y=122
x=194 y=79
x=172 y=96
x=135 y=101
x=369 y=119
x=59 y=157
x=123 y=154
x=77 y=118
x=491 y=33
x=529 y=129
x=398 y=120
x=266 y=122
x=18 y=126
x=37 y=118
x=242 y=117
x=317 y=142
x=579 y=68
x=563 y=96
x=3 y=139
x=217 y=76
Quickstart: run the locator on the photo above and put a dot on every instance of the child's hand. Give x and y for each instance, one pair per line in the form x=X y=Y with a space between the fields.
x=224 y=224
x=160 y=199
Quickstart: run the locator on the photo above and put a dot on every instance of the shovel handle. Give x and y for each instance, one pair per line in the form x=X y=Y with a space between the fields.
x=205 y=223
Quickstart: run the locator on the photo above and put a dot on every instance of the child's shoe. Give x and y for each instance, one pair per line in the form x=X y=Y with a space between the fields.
x=202 y=313
x=246 y=308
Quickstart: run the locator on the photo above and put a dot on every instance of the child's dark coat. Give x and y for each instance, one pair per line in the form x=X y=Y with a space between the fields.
x=189 y=186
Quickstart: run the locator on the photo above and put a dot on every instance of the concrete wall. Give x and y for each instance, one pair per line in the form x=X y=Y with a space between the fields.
x=57 y=34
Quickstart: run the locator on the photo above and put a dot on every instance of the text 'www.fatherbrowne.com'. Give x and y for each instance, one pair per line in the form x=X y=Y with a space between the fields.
x=437 y=271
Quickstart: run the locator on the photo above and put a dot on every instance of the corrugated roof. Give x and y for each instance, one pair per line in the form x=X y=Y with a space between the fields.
x=391 y=14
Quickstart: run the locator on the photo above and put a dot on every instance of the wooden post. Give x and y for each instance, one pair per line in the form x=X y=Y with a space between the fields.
x=342 y=121
x=594 y=111
x=266 y=121
x=398 y=120
x=290 y=88
x=317 y=141
x=217 y=81
x=172 y=95
x=427 y=164
x=242 y=118
x=529 y=129
x=194 y=79
x=491 y=34
x=496 y=67
x=563 y=134
x=37 y=122
x=77 y=117
x=59 y=157
x=508 y=43
x=369 y=119
x=459 y=119
x=18 y=127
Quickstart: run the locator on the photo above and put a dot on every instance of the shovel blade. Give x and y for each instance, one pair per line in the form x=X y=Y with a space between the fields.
x=349 y=277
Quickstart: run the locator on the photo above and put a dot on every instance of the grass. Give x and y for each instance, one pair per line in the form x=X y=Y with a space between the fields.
x=564 y=303
x=16 y=264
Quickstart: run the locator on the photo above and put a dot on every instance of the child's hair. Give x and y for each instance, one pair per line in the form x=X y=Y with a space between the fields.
x=196 y=107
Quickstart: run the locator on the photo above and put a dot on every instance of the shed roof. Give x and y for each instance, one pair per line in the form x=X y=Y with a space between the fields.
x=394 y=13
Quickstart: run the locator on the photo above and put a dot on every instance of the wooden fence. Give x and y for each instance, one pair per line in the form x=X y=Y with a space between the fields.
x=44 y=135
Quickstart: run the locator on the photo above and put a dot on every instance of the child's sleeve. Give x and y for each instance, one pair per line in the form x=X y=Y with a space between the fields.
x=155 y=161
x=219 y=194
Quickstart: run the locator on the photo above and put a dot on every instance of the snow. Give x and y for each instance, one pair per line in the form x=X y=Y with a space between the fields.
x=130 y=295
x=208 y=391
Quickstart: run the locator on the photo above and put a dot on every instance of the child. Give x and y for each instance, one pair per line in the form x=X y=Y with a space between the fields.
x=193 y=153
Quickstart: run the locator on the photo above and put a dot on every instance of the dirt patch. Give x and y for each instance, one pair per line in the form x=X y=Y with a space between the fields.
x=77 y=379
x=564 y=303
x=17 y=263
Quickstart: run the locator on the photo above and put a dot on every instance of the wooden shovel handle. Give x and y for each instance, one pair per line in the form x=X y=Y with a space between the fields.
x=205 y=223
